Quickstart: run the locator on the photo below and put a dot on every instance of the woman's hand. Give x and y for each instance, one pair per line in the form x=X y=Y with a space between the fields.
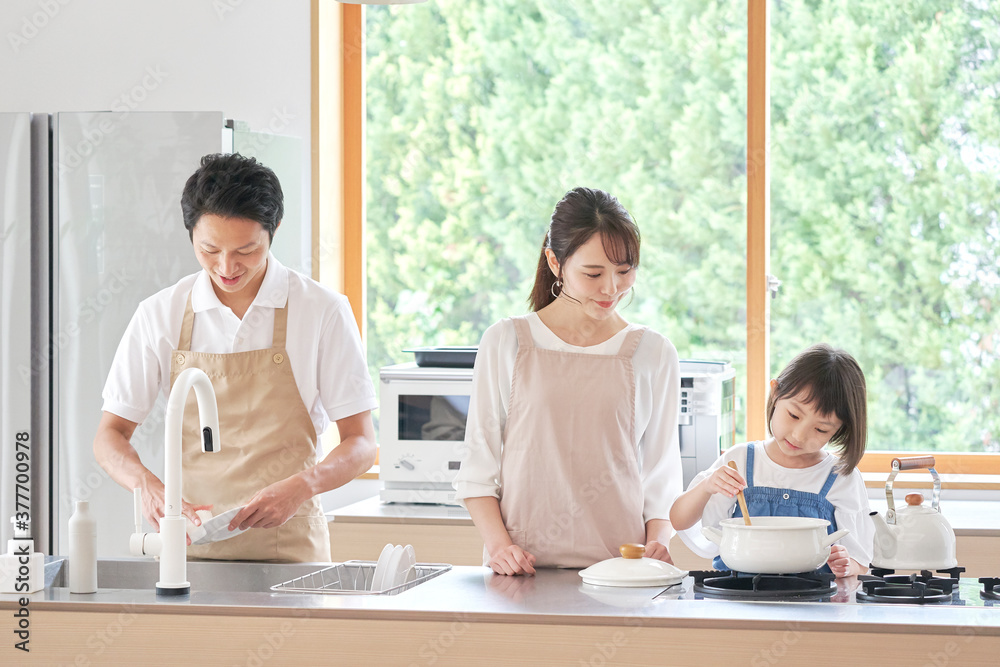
x=658 y=551
x=841 y=563
x=273 y=505
x=512 y=560
x=724 y=480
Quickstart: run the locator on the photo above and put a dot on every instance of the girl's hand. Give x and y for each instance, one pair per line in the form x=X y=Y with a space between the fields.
x=512 y=560
x=840 y=562
x=658 y=551
x=724 y=480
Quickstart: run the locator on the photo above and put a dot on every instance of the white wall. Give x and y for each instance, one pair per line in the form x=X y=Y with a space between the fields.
x=249 y=59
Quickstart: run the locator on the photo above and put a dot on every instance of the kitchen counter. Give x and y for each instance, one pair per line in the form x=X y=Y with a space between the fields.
x=446 y=534
x=468 y=612
x=967 y=517
x=373 y=510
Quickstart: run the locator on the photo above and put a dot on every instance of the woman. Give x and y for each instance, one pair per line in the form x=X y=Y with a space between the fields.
x=572 y=433
x=284 y=357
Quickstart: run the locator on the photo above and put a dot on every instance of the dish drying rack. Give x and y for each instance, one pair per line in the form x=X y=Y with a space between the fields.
x=354 y=577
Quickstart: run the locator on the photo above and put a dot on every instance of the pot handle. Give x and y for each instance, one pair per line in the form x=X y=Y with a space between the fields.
x=833 y=537
x=712 y=534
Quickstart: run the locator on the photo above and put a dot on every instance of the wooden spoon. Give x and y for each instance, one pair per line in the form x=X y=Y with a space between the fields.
x=741 y=499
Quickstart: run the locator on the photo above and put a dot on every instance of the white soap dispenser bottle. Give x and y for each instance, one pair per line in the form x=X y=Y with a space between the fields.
x=82 y=550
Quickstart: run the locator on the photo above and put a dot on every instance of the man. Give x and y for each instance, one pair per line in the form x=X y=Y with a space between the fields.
x=285 y=359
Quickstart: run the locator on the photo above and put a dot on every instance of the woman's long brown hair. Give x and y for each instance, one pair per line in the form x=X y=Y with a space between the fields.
x=581 y=213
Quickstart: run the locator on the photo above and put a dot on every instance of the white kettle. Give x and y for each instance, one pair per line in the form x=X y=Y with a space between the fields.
x=916 y=537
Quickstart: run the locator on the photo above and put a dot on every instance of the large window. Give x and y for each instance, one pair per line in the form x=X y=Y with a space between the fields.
x=884 y=157
x=885 y=121
x=482 y=113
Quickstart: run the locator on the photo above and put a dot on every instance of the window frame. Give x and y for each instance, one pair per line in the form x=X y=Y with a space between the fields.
x=340 y=114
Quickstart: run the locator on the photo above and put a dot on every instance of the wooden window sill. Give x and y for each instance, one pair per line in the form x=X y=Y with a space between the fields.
x=922 y=480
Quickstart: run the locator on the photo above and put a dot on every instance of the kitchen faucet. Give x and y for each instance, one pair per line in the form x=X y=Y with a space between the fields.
x=170 y=544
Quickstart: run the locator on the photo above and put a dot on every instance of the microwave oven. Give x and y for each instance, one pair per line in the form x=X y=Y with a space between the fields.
x=423 y=411
x=422 y=415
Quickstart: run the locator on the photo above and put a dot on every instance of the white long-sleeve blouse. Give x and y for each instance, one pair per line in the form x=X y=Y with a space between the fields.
x=657 y=402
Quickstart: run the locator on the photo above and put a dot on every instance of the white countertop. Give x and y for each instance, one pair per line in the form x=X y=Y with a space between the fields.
x=549 y=597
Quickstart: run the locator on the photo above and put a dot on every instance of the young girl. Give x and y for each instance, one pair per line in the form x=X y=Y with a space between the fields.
x=818 y=400
x=573 y=446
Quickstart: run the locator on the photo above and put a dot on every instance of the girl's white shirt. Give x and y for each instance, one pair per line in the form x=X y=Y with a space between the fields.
x=322 y=342
x=848 y=496
x=657 y=403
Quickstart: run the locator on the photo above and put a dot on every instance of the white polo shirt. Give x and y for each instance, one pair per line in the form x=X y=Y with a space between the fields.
x=322 y=341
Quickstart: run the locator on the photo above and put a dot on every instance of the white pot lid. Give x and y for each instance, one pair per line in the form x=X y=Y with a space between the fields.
x=632 y=570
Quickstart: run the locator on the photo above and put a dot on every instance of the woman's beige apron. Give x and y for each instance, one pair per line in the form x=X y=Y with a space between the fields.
x=266 y=435
x=570 y=491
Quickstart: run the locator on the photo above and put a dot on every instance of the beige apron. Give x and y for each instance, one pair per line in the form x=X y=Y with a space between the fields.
x=266 y=435
x=569 y=477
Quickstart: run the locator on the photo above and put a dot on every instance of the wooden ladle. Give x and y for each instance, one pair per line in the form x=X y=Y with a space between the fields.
x=741 y=499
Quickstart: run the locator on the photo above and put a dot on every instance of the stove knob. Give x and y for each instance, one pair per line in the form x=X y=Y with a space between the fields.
x=405 y=463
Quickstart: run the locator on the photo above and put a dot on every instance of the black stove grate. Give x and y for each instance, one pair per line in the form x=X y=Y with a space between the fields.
x=952 y=572
x=991 y=588
x=923 y=588
x=746 y=586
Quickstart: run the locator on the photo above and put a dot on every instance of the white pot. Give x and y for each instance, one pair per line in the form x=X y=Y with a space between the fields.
x=774 y=544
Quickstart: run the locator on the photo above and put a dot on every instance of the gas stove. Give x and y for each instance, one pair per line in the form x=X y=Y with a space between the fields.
x=743 y=586
x=942 y=588
x=925 y=587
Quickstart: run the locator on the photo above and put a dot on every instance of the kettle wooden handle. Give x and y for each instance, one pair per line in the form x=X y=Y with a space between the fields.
x=914 y=462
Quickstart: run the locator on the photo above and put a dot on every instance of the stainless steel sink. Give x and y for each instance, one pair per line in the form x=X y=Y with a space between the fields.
x=215 y=576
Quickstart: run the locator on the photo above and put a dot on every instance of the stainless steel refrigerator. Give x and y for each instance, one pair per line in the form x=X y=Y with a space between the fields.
x=91 y=226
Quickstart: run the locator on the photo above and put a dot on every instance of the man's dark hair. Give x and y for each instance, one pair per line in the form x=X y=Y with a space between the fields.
x=233 y=186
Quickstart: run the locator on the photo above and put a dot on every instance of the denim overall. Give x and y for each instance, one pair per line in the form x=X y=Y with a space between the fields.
x=772 y=501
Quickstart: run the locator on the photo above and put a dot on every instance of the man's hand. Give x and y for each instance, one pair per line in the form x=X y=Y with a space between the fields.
x=273 y=505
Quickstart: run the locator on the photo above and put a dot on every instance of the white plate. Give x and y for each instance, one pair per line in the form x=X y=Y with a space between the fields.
x=217 y=528
x=407 y=571
x=383 y=560
x=198 y=532
x=392 y=572
x=409 y=557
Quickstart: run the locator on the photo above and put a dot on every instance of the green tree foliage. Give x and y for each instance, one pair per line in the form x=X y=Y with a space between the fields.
x=886 y=152
x=885 y=135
